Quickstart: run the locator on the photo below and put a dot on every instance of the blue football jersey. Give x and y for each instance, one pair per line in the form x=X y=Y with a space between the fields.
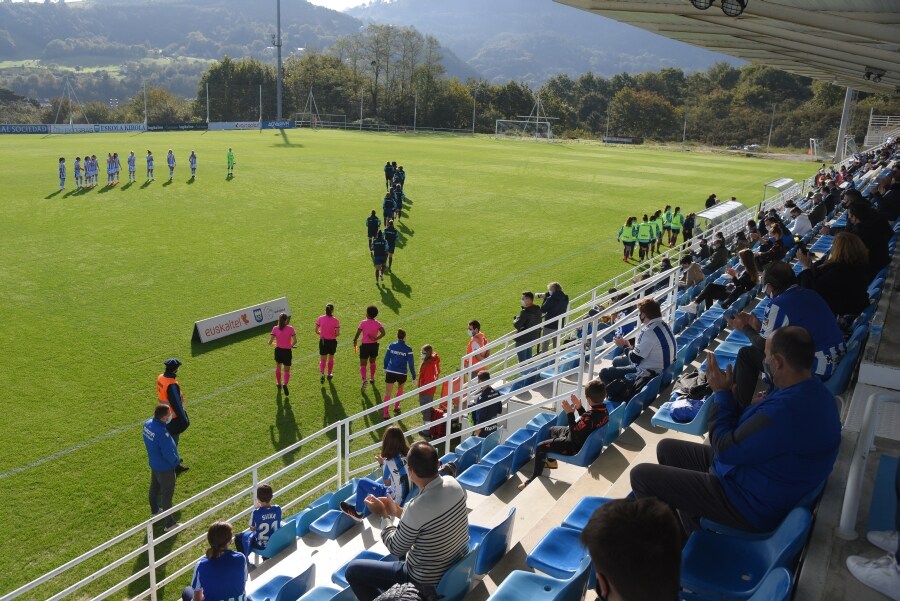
x=223 y=578
x=264 y=521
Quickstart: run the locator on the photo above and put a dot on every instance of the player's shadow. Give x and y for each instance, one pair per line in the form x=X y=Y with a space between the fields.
x=400 y=286
x=334 y=409
x=105 y=189
x=146 y=184
x=53 y=195
x=286 y=142
x=167 y=183
x=126 y=186
x=285 y=431
x=73 y=192
x=162 y=549
x=388 y=299
x=371 y=397
x=190 y=181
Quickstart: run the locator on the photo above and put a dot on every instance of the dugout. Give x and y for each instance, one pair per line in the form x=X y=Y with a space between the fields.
x=716 y=214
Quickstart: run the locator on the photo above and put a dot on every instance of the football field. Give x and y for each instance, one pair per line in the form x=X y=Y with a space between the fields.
x=99 y=287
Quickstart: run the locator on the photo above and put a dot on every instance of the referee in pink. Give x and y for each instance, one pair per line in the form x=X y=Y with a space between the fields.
x=328 y=328
x=285 y=338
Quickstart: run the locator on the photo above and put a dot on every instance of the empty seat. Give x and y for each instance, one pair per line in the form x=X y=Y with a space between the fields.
x=520 y=585
x=339 y=576
x=310 y=514
x=491 y=543
x=329 y=593
x=559 y=553
x=567 y=362
x=285 y=588
x=582 y=512
x=523 y=442
x=335 y=522
x=280 y=540
x=487 y=475
x=541 y=423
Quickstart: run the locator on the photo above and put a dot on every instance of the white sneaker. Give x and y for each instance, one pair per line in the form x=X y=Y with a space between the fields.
x=886 y=540
x=881 y=574
x=171 y=527
x=690 y=308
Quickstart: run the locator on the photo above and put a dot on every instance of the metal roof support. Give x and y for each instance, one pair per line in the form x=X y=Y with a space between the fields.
x=842 y=130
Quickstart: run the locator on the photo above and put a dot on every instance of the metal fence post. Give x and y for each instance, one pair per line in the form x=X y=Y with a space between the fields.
x=255 y=484
x=340 y=455
x=151 y=561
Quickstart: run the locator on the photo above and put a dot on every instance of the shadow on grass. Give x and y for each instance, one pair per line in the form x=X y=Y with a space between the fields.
x=334 y=409
x=199 y=348
x=53 y=195
x=126 y=186
x=388 y=298
x=167 y=183
x=286 y=142
x=189 y=181
x=72 y=192
x=146 y=183
x=160 y=550
x=229 y=177
x=400 y=286
x=285 y=431
x=105 y=189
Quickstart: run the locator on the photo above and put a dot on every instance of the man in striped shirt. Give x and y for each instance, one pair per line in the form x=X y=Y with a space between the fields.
x=431 y=536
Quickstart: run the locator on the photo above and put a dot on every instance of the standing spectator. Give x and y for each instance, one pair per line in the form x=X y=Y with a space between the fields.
x=569 y=439
x=222 y=573
x=388 y=174
x=168 y=392
x=397 y=359
x=482 y=411
x=429 y=372
x=554 y=305
x=528 y=317
x=711 y=201
x=841 y=277
x=284 y=337
x=371 y=331
x=432 y=534
x=264 y=521
x=688 y=226
x=373 y=224
x=889 y=203
x=162 y=455
x=627 y=236
x=477 y=341
x=328 y=328
x=635 y=548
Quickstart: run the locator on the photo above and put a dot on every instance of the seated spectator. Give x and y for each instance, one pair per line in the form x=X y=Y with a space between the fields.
x=752 y=231
x=690 y=273
x=653 y=351
x=431 y=536
x=789 y=305
x=635 y=548
x=801 y=225
x=718 y=258
x=221 y=573
x=841 y=277
x=819 y=211
x=483 y=412
x=704 y=251
x=740 y=243
x=395 y=478
x=569 y=439
x=889 y=203
x=761 y=459
x=264 y=521
x=728 y=293
x=874 y=230
x=772 y=247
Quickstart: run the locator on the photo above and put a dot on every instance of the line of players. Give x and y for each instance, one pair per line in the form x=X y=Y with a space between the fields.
x=87 y=173
x=383 y=243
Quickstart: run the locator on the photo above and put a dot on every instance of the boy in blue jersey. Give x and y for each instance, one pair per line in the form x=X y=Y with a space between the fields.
x=264 y=521
x=398 y=358
x=390 y=237
x=62 y=173
x=373 y=224
x=170 y=159
x=132 y=169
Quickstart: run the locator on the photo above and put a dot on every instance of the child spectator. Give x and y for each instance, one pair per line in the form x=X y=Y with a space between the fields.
x=264 y=521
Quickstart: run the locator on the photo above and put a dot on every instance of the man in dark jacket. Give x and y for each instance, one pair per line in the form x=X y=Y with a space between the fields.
x=687 y=230
x=529 y=316
x=556 y=303
x=168 y=393
x=874 y=230
x=482 y=411
x=718 y=258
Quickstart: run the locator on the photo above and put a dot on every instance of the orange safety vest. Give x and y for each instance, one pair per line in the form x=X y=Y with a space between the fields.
x=162 y=385
x=477 y=341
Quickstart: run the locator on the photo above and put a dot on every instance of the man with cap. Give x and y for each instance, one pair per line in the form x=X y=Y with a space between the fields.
x=168 y=391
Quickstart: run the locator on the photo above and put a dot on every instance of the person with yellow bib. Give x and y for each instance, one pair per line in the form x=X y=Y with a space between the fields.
x=657 y=220
x=675 y=227
x=626 y=237
x=168 y=392
x=645 y=232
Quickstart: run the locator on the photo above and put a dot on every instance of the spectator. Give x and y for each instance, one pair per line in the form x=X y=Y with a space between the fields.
x=789 y=305
x=819 y=211
x=703 y=252
x=554 y=305
x=728 y=293
x=710 y=201
x=431 y=536
x=653 y=352
x=264 y=521
x=569 y=439
x=529 y=317
x=874 y=230
x=889 y=203
x=162 y=455
x=429 y=372
x=168 y=392
x=752 y=231
x=691 y=273
x=840 y=278
x=801 y=225
x=477 y=341
x=772 y=247
x=689 y=222
x=486 y=412
x=740 y=243
x=397 y=360
x=718 y=258
x=394 y=479
x=221 y=573
x=635 y=548
x=762 y=459
x=832 y=196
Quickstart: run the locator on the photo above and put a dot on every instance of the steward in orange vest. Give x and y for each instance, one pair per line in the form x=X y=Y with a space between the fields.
x=168 y=392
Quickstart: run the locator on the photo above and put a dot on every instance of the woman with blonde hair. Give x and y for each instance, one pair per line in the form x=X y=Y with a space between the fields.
x=841 y=277
x=222 y=573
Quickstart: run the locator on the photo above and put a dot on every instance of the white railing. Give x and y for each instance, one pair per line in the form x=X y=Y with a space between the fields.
x=339 y=450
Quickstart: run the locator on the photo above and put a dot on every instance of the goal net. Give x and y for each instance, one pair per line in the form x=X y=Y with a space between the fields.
x=533 y=129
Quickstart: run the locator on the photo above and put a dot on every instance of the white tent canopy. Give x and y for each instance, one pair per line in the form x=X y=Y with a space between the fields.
x=718 y=213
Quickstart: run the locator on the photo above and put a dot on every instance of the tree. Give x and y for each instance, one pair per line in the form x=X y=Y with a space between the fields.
x=642 y=113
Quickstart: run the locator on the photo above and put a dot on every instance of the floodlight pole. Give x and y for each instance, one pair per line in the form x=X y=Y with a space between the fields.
x=278 y=51
x=842 y=130
x=474 y=100
x=415 y=111
x=684 y=131
x=771 y=127
x=207 y=102
x=145 y=105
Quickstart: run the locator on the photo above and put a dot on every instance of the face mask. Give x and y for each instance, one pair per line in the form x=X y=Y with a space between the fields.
x=767 y=374
x=424 y=356
x=167 y=419
x=471 y=332
x=523 y=303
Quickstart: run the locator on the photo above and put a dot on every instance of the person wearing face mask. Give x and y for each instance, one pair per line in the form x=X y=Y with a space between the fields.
x=635 y=548
x=528 y=317
x=482 y=411
x=168 y=392
x=554 y=305
x=162 y=455
x=477 y=342
x=429 y=372
x=761 y=460
x=790 y=305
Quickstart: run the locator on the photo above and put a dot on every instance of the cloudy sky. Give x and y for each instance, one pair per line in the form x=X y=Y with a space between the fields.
x=338 y=4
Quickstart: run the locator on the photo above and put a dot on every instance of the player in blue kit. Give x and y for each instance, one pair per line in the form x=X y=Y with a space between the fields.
x=193 y=162
x=390 y=237
x=117 y=167
x=62 y=173
x=110 y=168
x=150 y=177
x=264 y=521
x=373 y=223
x=132 y=169
x=170 y=160
x=387 y=207
x=222 y=573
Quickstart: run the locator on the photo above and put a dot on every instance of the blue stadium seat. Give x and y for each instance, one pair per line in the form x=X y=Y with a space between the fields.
x=491 y=543
x=582 y=512
x=775 y=587
x=310 y=514
x=329 y=593
x=520 y=585
x=285 y=588
x=486 y=476
x=455 y=582
x=840 y=377
x=640 y=401
x=567 y=362
x=541 y=423
x=614 y=426
x=523 y=442
x=559 y=553
x=339 y=577
x=280 y=540
x=589 y=452
x=697 y=426
x=335 y=522
x=728 y=567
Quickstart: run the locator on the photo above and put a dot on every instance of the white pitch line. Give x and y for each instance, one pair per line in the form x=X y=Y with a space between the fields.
x=215 y=393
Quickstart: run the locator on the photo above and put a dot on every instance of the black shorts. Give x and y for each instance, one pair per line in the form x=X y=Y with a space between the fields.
x=393 y=378
x=283 y=356
x=327 y=347
x=368 y=350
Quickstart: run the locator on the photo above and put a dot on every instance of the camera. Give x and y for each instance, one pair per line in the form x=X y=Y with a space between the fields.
x=540 y=295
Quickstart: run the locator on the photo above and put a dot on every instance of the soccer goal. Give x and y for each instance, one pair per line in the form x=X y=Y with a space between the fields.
x=511 y=128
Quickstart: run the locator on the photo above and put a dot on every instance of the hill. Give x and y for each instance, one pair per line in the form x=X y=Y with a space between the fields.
x=532 y=40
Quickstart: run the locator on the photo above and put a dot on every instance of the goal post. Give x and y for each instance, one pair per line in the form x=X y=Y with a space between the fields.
x=523 y=129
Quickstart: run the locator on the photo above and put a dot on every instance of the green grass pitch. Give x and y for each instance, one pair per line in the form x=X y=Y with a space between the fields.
x=99 y=288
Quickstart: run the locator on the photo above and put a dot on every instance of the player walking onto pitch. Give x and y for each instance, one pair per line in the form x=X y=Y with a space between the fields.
x=328 y=328
x=150 y=177
x=132 y=168
x=372 y=331
x=397 y=359
x=193 y=162
x=230 y=158
x=373 y=224
x=285 y=338
x=390 y=238
x=170 y=159
x=379 y=255
x=627 y=236
x=62 y=173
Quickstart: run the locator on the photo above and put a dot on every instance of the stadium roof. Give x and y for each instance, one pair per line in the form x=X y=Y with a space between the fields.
x=839 y=41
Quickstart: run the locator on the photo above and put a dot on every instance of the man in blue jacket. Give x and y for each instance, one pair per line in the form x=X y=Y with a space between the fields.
x=162 y=455
x=398 y=358
x=762 y=460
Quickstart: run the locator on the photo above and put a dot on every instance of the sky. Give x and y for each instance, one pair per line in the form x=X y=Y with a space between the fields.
x=337 y=4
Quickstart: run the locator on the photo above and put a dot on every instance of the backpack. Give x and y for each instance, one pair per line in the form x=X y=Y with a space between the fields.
x=439 y=428
x=692 y=385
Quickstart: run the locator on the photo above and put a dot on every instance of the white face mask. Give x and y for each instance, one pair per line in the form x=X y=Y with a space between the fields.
x=523 y=304
x=167 y=419
x=471 y=332
x=424 y=356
